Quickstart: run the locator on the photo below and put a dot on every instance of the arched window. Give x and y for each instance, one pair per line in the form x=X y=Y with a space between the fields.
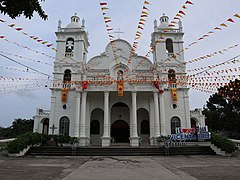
x=67 y=76
x=171 y=76
x=95 y=127
x=69 y=45
x=120 y=75
x=175 y=122
x=169 y=46
x=145 y=129
x=64 y=126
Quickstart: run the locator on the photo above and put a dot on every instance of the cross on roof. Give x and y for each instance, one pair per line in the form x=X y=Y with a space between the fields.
x=118 y=32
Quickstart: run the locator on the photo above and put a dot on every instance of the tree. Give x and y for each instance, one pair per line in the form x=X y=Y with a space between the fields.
x=19 y=126
x=223 y=110
x=16 y=8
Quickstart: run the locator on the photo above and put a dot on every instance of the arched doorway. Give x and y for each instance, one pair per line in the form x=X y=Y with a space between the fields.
x=193 y=123
x=120 y=131
x=120 y=119
x=45 y=128
x=96 y=126
x=143 y=126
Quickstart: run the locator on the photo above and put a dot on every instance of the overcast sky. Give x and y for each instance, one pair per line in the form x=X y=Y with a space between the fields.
x=200 y=18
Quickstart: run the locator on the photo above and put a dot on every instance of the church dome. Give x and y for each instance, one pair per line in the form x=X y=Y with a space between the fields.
x=74 y=22
x=164 y=22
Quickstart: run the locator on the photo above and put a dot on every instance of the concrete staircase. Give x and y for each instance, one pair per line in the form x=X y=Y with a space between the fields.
x=120 y=151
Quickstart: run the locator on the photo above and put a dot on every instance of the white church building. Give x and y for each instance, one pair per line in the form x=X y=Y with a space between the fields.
x=117 y=96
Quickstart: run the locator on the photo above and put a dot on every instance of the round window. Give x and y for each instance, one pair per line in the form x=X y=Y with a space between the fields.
x=174 y=106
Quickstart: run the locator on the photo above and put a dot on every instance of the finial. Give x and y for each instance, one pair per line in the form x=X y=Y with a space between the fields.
x=75 y=14
x=83 y=22
x=155 y=23
x=59 y=25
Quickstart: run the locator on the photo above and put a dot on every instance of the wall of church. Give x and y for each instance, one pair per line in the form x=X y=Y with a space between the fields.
x=180 y=111
x=57 y=111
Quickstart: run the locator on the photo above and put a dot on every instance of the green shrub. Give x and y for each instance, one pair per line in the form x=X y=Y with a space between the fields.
x=162 y=138
x=223 y=143
x=28 y=139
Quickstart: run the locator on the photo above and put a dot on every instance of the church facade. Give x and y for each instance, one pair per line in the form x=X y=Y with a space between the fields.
x=118 y=96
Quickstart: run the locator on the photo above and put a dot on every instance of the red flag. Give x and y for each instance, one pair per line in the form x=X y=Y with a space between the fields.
x=2 y=37
x=156 y=84
x=140 y=27
x=18 y=29
x=2 y=20
x=188 y=2
x=141 y=23
x=181 y=12
x=84 y=85
x=49 y=45
x=230 y=20
x=103 y=3
x=145 y=8
x=107 y=21
x=217 y=28
x=176 y=18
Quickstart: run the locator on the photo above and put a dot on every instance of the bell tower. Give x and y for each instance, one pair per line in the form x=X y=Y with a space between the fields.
x=168 y=58
x=72 y=49
x=167 y=39
x=69 y=67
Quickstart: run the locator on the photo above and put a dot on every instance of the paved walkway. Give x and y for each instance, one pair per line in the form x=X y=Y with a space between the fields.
x=120 y=168
x=134 y=168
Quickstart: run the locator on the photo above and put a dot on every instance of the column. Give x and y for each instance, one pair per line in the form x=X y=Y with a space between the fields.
x=106 y=136
x=187 y=110
x=134 y=139
x=77 y=118
x=162 y=115
x=83 y=137
x=156 y=113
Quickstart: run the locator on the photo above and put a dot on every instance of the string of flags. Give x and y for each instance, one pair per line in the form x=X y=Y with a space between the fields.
x=161 y=38
x=25 y=47
x=140 y=27
x=109 y=28
x=26 y=70
x=21 y=30
x=181 y=13
x=212 y=54
x=226 y=24
x=233 y=60
x=22 y=57
x=19 y=79
x=23 y=90
x=35 y=38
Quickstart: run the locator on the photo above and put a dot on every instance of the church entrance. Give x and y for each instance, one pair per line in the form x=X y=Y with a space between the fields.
x=120 y=131
x=120 y=118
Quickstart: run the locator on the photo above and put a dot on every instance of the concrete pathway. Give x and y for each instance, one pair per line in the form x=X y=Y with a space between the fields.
x=121 y=168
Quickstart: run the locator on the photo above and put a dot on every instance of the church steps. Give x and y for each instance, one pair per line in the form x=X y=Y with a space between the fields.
x=126 y=151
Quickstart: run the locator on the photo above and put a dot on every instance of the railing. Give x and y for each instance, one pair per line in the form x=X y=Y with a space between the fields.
x=42 y=112
x=196 y=111
x=237 y=142
x=4 y=142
